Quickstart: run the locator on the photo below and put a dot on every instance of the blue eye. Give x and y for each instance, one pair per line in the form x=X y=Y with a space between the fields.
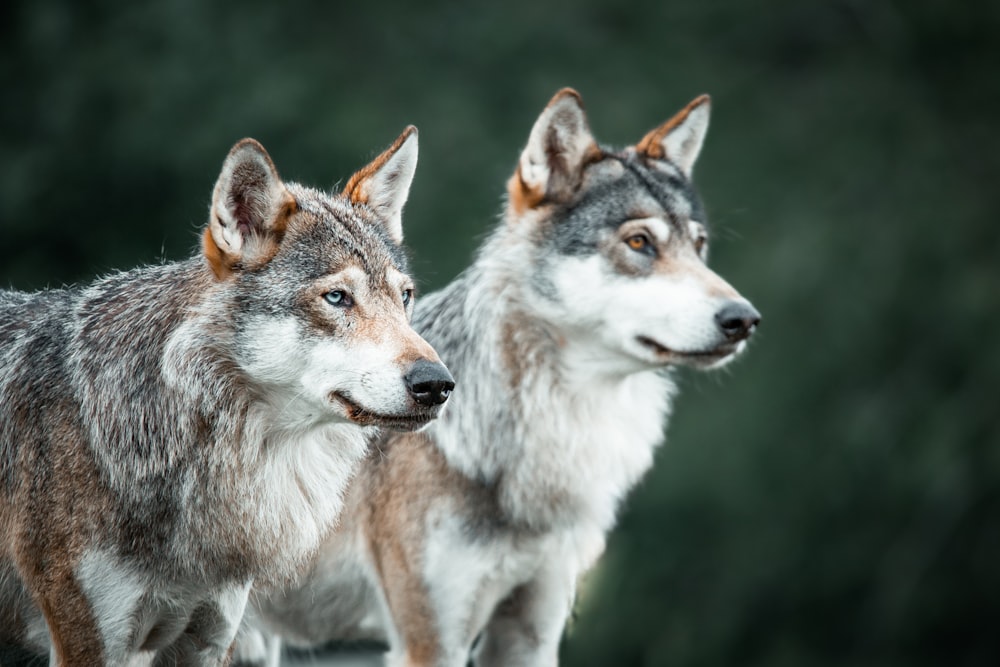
x=338 y=298
x=407 y=296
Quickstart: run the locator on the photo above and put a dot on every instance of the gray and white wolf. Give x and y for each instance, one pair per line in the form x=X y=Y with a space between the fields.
x=562 y=336
x=170 y=434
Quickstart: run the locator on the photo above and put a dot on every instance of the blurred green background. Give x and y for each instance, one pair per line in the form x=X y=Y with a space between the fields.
x=833 y=498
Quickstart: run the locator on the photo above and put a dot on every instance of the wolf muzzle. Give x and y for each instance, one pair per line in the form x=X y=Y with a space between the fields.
x=429 y=383
x=737 y=320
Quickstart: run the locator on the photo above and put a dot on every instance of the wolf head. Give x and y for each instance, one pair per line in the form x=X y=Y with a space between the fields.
x=621 y=241
x=321 y=294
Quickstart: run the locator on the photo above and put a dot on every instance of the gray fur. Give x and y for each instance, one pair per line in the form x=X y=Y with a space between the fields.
x=508 y=497
x=148 y=472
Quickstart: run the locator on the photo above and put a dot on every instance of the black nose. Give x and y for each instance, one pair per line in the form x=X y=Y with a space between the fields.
x=429 y=383
x=737 y=319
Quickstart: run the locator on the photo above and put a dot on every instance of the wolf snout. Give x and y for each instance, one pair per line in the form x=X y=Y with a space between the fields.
x=429 y=383
x=737 y=320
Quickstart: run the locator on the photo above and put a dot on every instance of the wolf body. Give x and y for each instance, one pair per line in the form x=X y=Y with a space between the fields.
x=561 y=336
x=171 y=434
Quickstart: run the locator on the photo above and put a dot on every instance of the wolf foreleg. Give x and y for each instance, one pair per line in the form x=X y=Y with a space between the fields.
x=526 y=626
x=211 y=630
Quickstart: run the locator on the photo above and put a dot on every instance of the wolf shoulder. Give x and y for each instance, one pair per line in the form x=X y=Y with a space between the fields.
x=100 y=318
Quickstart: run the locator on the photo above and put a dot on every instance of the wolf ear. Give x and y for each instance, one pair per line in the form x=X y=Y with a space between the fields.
x=680 y=138
x=560 y=143
x=384 y=184
x=250 y=209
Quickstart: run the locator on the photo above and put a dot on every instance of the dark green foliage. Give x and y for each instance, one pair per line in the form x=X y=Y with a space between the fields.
x=834 y=499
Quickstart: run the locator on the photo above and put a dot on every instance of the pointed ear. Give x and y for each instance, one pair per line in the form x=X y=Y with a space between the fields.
x=384 y=184
x=560 y=144
x=680 y=138
x=250 y=209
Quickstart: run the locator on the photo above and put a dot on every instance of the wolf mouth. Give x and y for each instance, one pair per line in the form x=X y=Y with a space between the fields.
x=365 y=417
x=713 y=354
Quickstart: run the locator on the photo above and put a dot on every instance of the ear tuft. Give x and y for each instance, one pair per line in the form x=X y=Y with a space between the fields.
x=559 y=147
x=250 y=209
x=384 y=184
x=680 y=138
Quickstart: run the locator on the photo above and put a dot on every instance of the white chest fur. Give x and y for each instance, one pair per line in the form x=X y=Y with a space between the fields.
x=585 y=447
x=296 y=495
x=563 y=451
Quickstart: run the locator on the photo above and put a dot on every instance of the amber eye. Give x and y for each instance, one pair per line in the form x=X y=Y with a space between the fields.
x=639 y=242
x=699 y=244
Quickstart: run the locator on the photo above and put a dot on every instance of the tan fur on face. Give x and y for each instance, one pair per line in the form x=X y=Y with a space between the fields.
x=672 y=258
x=376 y=317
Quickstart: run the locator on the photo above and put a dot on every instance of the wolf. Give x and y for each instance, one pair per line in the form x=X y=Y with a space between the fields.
x=171 y=434
x=468 y=538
